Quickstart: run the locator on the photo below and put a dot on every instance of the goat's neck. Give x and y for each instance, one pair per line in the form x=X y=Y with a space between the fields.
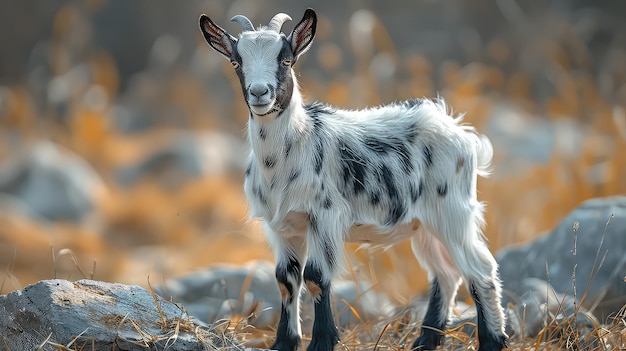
x=271 y=136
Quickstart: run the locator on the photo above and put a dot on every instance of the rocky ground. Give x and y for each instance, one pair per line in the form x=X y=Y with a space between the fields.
x=573 y=276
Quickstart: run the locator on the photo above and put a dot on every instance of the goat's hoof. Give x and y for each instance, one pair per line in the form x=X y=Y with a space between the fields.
x=493 y=343
x=322 y=344
x=429 y=340
x=290 y=344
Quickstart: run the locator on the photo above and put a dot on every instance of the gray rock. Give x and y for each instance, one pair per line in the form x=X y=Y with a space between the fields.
x=224 y=291
x=105 y=315
x=251 y=291
x=50 y=183
x=599 y=261
x=188 y=156
x=538 y=306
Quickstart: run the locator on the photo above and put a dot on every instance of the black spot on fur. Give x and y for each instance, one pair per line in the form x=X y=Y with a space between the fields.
x=312 y=222
x=353 y=168
x=434 y=321
x=442 y=189
x=317 y=108
x=396 y=207
x=288 y=146
x=393 y=145
x=415 y=194
x=314 y=111
x=293 y=176
x=375 y=198
x=428 y=156
x=411 y=133
x=329 y=252
x=396 y=212
x=420 y=189
x=410 y=103
x=327 y=203
x=248 y=169
x=269 y=162
x=262 y=133
x=273 y=182
x=319 y=158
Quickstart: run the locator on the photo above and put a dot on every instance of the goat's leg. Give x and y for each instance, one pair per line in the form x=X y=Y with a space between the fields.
x=458 y=230
x=325 y=250
x=290 y=256
x=444 y=283
x=480 y=274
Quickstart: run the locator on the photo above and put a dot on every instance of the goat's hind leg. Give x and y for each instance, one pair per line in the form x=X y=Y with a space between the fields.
x=460 y=233
x=444 y=283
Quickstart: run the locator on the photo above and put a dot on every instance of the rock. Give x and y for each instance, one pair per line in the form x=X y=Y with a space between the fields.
x=538 y=306
x=107 y=316
x=188 y=156
x=599 y=262
x=51 y=183
x=222 y=292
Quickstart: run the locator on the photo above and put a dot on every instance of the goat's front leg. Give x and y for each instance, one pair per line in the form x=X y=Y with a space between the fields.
x=325 y=249
x=290 y=256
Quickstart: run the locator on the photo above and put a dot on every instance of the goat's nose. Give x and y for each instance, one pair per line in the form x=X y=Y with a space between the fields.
x=259 y=90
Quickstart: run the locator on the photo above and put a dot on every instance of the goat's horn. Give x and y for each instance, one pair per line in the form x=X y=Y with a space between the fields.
x=277 y=22
x=244 y=22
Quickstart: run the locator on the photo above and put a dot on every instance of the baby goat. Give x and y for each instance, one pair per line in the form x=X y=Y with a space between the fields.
x=319 y=176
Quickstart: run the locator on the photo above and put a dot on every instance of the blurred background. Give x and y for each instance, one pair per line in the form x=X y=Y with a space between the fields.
x=122 y=143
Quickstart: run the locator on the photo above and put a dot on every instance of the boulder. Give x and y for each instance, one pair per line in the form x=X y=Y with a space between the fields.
x=188 y=156
x=251 y=292
x=537 y=305
x=585 y=251
x=50 y=183
x=90 y=315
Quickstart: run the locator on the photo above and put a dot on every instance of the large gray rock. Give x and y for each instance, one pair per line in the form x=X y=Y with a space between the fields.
x=596 y=252
x=537 y=305
x=251 y=291
x=188 y=156
x=86 y=312
x=49 y=182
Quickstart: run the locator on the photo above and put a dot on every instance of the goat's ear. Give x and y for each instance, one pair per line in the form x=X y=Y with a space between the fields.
x=217 y=38
x=302 y=35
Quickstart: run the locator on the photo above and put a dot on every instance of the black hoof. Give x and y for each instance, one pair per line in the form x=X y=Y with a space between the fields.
x=322 y=344
x=493 y=343
x=429 y=340
x=290 y=344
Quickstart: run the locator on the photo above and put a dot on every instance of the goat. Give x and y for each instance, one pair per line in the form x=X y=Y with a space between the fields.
x=319 y=176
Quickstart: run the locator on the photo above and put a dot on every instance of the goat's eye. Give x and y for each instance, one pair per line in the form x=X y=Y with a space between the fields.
x=287 y=62
x=235 y=64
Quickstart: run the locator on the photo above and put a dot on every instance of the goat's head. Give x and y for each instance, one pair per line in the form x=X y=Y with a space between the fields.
x=263 y=58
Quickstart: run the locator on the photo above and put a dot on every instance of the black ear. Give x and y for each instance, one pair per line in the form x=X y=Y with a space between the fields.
x=302 y=35
x=217 y=38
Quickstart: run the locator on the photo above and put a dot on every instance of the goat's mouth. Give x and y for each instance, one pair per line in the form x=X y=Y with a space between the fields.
x=263 y=109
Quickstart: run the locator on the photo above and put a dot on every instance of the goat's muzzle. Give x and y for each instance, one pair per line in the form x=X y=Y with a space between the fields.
x=261 y=99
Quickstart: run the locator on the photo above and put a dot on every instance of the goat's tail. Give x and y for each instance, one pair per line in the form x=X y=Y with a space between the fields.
x=484 y=154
